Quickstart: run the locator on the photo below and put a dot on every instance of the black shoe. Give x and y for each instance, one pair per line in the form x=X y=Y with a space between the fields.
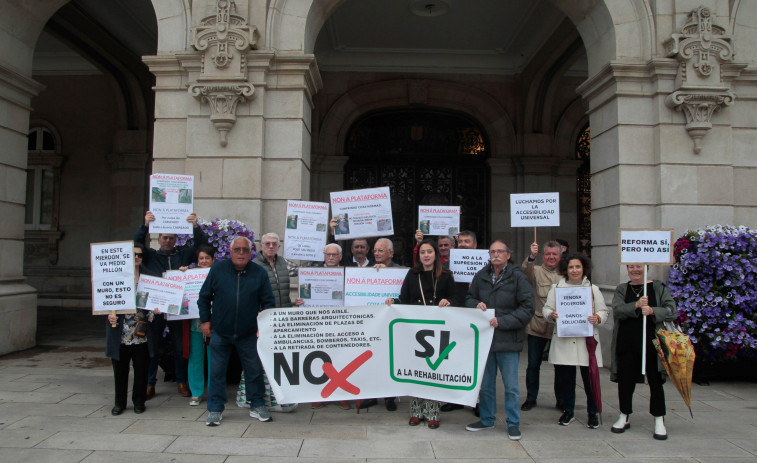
x=117 y=410
x=593 y=422
x=477 y=412
x=367 y=403
x=390 y=404
x=566 y=418
x=528 y=405
x=139 y=409
x=448 y=407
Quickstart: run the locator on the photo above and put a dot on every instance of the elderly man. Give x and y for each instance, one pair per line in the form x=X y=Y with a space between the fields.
x=383 y=252
x=539 y=331
x=276 y=267
x=156 y=262
x=238 y=290
x=502 y=286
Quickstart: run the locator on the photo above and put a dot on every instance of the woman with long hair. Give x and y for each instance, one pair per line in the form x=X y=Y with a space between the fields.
x=427 y=283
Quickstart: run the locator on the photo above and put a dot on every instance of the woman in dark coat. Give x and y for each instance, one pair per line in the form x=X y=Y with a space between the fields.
x=427 y=283
x=127 y=343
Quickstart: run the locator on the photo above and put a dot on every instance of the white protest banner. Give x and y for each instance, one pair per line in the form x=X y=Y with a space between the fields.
x=346 y=353
x=573 y=307
x=171 y=201
x=321 y=286
x=439 y=220
x=465 y=263
x=645 y=246
x=535 y=210
x=193 y=280
x=371 y=286
x=160 y=293
x=362 y=213
x=305 y=234
x=112 y=277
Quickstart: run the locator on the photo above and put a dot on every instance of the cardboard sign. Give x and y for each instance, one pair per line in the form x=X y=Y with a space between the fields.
x=171 y=201
x=160 y=293
x=112 y=267
x=321 y=286
x=362 y=213
x=439 y=220
x=193 y=280
x=535 y=210
x=465 y=263
x=371 y=286
x=645 y=246
x=305 y=234
x=573 y=307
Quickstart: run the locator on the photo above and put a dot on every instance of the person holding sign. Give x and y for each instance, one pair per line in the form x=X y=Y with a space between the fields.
x=502 y=286
x=428 y=283
x=276 y=267
x=629 y=308
x=128 y=341
x=566 y=353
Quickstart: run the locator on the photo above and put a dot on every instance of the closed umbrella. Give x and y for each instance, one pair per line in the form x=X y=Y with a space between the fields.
x=677 y=354
x=596 y=391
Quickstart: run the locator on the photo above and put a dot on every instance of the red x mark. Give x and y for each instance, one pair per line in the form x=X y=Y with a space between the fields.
x=339 y=378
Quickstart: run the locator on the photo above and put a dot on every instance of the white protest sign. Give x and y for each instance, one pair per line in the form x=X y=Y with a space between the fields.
x=465 y=263
x=321 y=286
x=535 y=210
x=573 y=307
x=362 y=213
x=171 y=201
x=193 y=280
x=371 y=286
x=347 y=353
x=160 y=293
x=305 y=234
x=645 y=246
x=439 y=220
x=112 y=277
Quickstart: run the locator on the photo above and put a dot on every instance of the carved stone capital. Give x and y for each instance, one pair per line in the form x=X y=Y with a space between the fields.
x=702 y=48
x=223 y=98
x=699 y=105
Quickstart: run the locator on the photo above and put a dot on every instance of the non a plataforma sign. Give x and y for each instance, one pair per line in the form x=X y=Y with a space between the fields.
x=645 y=246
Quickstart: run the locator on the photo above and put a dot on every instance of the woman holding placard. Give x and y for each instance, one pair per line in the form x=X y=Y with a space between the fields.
x=631 y=308
x=427 y=283
x=565 y=353
x=128 y=341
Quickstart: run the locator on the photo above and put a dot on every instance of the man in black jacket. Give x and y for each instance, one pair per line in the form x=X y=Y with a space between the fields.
x=238 y=290
x=502 y=286
x=156 y=263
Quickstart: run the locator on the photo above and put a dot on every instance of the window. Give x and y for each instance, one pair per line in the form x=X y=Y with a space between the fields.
x=43 y=178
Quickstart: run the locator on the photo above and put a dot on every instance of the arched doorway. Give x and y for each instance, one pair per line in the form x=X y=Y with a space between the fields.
x=426 y=157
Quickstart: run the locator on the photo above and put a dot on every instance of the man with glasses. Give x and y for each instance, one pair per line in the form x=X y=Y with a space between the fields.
x=383 y=253
x=357 y=254
x=167 y=257
x=277 y=270
x=238 y=290
x=502 y=286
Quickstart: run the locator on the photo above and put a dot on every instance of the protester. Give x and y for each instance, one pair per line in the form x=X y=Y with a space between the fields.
x=630 y=310
x=444 y=243
x=167 y=257
x=128 y=341
x=197 y=341
x=357 y=254
x=276 y=267
x=568 y=352
x=502 y=286
x=383 y=253
x=238 y=290
x=428 y=283
x=539 y=331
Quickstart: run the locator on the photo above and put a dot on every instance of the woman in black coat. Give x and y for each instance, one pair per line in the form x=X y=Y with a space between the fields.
x=427 y=283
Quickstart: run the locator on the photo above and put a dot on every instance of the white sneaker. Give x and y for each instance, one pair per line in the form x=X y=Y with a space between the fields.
x=660 y=433
x=623 y=423
x=260 y=412
x=195 y=401
x=214 y=419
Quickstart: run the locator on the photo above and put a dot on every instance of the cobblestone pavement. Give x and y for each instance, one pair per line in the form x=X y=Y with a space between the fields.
x=55 y=403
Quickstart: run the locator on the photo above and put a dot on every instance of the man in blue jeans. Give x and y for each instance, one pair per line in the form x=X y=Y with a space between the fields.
x=238 y=290
x=502 y=286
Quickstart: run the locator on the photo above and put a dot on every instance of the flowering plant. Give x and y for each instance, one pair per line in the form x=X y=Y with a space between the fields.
x=219 y=233
x=714 y=282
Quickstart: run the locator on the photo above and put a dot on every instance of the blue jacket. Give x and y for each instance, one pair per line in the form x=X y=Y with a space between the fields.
x=237 y=298
x=158 y=261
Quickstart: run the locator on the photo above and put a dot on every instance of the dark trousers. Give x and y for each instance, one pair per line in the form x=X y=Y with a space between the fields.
x=139 y=355
x=157 y=327
x=536 y=347
x=181 y=364
x=565 y=381
x=629 y=370
x=220 y=351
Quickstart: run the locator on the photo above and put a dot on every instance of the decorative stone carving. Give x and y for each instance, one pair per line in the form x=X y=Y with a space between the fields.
x=702 y=47
x=223 y=38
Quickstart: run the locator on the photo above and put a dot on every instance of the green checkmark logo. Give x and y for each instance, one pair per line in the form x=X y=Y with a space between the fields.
x=441 y=357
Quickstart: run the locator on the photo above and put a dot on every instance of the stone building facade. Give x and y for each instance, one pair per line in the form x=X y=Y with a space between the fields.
x=265 y=101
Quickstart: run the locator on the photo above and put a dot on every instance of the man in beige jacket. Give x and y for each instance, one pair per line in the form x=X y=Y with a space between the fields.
x=539 y=331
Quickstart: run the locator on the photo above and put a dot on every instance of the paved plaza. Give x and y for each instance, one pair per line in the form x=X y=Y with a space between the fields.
x=55 y=403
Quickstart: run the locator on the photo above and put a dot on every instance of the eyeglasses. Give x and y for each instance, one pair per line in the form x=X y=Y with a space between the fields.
x=241 y=250
x=138 y=254
x=331 y=254
x=271 y=244
x=497 y=251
